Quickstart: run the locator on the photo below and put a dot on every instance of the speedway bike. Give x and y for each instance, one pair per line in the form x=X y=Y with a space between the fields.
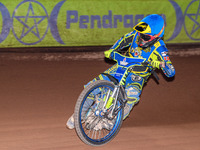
x=99 y=109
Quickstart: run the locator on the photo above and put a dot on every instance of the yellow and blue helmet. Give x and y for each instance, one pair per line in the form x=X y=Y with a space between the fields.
x=150 y=30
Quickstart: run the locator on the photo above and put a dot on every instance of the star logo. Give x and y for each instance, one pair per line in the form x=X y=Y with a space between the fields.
x=192 y=20
x=30 y=27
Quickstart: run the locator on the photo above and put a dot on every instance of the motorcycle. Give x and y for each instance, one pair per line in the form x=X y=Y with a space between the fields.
x=99 y=109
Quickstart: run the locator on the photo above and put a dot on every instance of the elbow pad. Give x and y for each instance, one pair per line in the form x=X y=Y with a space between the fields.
x=169 y=70
x=109 y=53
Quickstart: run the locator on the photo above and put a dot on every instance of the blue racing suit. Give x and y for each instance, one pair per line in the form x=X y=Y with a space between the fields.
x=155 y=54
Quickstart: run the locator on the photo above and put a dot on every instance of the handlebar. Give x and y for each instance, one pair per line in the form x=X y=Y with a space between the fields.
x=134 y=64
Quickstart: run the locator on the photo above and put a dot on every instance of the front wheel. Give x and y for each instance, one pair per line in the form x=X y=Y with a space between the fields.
x=92 y=124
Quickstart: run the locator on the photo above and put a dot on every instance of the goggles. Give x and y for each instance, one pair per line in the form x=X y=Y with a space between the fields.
x=146 y=37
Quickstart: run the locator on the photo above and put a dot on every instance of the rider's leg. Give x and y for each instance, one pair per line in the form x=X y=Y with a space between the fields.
x=132 y=100
x=133 y=91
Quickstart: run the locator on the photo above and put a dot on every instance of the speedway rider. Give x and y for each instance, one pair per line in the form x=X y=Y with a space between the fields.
x=145 y=41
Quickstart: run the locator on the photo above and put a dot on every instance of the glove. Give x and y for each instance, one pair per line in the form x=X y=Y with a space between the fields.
x=157 y=64
x=108 y=53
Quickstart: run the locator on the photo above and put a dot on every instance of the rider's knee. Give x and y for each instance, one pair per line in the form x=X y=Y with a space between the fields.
x=132 y=92
x=133 y=95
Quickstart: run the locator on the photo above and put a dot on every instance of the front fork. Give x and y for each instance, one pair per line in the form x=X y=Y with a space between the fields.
x=113 y=97
x=111 y=100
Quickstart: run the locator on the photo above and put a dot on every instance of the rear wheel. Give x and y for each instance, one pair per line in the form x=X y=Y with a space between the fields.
x=92 y=123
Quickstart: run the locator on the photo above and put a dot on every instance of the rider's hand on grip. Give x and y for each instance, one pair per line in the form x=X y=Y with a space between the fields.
x=157 y=64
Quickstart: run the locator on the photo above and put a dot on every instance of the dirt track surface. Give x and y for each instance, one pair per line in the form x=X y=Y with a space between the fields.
x=38 y=96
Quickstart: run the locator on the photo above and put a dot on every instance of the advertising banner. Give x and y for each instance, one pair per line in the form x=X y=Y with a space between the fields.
x=42 y=23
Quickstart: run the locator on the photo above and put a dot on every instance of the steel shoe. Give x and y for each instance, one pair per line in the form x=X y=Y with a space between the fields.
x=70 y=122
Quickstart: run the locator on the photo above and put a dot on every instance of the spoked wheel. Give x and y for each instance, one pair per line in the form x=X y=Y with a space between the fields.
x=92 y=123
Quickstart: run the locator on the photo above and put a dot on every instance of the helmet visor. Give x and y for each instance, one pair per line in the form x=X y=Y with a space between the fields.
x=141 y=27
